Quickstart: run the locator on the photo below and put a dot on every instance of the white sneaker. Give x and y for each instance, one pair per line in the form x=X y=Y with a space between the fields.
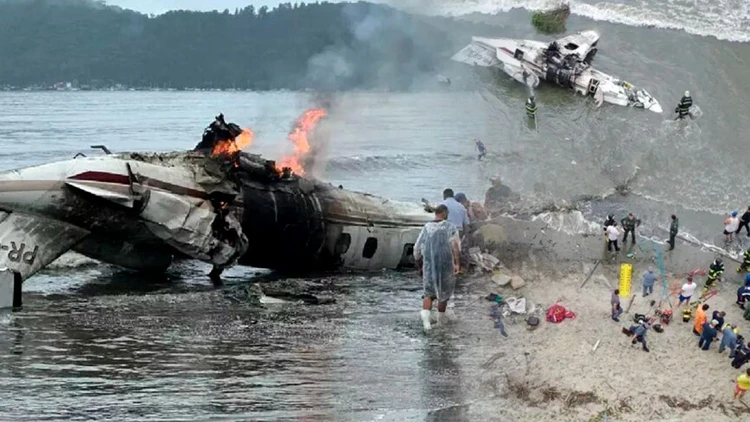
x=443 y=318
x=425 y=315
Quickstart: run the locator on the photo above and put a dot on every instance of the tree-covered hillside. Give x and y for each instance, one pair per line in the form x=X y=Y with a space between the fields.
x=294 y=46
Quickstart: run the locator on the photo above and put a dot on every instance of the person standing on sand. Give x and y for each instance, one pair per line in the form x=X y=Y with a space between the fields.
x=731 y=225
x=673 y=228
x=744 y=222
x=719 y=317
x=741 y=355
x=615 y=303
x=649 y=278
x=728 y=339
x=629 y=224
x=438 y=248
x=708 y=335
x=687 y=291
x=639 y=334
x=742 y=385
x=745 y=266
x=743 y=294
x=612 y=234
x=609 y=221
x=700 y=319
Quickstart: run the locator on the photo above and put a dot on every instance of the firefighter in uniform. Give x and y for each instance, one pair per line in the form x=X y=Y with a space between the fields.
x=683 y=108
x=715 y=271
x=745 y=262
x=531 y=108
x=686 y=314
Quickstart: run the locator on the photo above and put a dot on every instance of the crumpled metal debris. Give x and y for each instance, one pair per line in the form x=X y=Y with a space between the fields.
x=193 y=229
x=482 y=260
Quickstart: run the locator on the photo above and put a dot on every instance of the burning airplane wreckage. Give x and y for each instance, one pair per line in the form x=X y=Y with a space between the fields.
x=216 y=204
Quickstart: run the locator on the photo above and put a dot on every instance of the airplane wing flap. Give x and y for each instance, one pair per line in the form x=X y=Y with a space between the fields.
x=29 y=243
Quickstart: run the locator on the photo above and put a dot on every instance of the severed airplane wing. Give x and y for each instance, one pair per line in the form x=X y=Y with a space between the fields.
x=29 y=243
x=477 y=55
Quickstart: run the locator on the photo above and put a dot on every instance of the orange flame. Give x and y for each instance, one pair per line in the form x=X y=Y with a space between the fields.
x=302 y=128
x=231 y=147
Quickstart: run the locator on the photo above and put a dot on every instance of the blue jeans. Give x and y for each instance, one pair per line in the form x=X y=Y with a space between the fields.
x=647 y=290
x=616 y=314
x=725 y=344
x=705 y=343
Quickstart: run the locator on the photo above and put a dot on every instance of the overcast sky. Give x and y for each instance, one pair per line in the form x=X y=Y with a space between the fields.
x=161 y=6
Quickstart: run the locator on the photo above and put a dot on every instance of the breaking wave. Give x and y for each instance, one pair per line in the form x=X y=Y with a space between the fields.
x=723 y=19
x=408 y=161
x=575 y=222
x=571 y=223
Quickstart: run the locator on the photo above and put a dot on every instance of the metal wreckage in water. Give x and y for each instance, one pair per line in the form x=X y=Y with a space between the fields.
x=140 y=211
x=565 y=62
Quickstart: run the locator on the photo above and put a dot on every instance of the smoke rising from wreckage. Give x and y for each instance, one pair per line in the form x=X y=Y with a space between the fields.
x=216 y=204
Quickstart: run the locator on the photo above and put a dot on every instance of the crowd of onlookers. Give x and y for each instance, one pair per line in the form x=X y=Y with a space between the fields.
x=708 y=331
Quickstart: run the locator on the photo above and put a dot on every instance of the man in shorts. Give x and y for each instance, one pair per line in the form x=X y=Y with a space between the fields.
x=743 y=384
x=687 y=291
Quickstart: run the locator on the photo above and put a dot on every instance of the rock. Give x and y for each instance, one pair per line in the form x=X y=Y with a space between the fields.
x=517 y=282
x=489 y=236
x=501 y=280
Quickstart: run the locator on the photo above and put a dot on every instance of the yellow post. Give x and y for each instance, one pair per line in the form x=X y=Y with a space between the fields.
x=626 y=273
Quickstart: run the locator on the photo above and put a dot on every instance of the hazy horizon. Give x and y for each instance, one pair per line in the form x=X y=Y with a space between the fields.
x=162 y=6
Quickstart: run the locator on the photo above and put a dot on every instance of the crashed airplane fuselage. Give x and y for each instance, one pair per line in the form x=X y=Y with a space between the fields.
x=139 y=211
x=565 y=62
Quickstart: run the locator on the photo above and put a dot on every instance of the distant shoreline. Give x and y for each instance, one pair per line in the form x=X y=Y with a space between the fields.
x=437 y=87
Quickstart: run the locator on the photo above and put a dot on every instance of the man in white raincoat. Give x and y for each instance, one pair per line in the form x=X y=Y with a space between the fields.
x=438 y=247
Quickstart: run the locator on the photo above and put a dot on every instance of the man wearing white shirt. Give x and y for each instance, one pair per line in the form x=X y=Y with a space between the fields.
x=612 y=235
x=687 y=291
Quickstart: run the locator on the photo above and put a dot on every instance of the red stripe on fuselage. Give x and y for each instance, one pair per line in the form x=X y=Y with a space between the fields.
x=104 y=177
x=100 y=176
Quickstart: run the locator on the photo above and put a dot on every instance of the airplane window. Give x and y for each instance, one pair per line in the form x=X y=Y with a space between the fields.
x=371 y=245
x=343 y=243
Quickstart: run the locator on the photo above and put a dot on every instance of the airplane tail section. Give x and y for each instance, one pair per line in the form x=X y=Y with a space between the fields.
x=29 y=243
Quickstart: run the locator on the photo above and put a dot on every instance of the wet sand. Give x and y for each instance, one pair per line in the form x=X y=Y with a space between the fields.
x=551 y=372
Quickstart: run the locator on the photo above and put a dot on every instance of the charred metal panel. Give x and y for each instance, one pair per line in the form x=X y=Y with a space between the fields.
x=142 y=257
x=283 y=225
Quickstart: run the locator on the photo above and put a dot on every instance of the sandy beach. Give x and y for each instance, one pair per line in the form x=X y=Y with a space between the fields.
x=551 y=373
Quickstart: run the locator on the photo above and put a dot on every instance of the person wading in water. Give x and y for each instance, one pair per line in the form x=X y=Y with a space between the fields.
x=438 y=248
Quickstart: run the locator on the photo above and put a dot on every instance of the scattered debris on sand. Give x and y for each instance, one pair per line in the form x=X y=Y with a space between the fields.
x=583 y=368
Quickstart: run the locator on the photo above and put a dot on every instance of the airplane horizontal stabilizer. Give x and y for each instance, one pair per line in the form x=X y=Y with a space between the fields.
x=476 y=55
x=29 y=243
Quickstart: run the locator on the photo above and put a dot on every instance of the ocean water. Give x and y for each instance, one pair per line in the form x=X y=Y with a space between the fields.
x=97 y=343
